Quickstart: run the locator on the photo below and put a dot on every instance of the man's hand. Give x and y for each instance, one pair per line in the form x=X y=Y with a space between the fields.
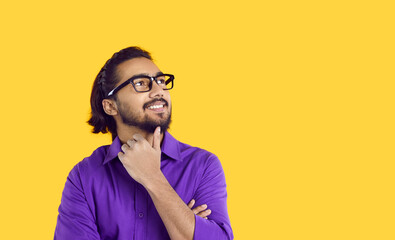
x=201 y=210
x=140 y=159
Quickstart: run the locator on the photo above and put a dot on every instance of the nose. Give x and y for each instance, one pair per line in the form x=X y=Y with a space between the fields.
x=156 y=90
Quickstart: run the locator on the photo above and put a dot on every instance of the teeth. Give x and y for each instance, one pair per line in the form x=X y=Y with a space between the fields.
x=155 y=106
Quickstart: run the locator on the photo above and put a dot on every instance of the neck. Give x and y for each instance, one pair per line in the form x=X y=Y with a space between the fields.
x=126 y=132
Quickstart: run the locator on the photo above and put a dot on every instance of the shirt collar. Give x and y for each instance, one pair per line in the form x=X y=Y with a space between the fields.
x=170 y=147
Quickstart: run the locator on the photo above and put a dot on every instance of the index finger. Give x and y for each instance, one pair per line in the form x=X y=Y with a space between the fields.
x=191 y=203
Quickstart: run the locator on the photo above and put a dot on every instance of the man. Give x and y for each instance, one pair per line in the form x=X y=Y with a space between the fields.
x=138 y=187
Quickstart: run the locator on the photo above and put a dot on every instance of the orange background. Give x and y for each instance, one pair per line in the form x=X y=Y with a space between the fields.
x=295 y=97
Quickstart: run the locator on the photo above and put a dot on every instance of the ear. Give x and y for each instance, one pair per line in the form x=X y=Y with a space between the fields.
x=110 y=107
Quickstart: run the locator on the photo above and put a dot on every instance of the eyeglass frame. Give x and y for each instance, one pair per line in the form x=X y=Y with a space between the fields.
x=130 y=81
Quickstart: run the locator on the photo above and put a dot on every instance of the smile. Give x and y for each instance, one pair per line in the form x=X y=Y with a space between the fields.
x=155 y=106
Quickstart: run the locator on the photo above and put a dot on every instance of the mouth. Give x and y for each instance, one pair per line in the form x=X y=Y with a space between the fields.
x=157 y=106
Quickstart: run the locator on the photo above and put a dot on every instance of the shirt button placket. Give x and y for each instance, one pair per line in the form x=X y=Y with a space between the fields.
x=141 y=208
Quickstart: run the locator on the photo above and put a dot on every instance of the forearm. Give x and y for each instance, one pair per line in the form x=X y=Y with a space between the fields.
x=177 y=217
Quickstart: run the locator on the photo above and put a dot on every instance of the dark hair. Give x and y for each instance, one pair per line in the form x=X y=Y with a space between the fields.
x=105 y=81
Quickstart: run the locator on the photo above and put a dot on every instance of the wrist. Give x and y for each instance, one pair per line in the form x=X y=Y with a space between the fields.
x=155 y=180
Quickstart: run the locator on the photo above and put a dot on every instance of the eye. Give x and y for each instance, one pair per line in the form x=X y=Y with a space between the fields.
x=161 y=80
x=141 y=82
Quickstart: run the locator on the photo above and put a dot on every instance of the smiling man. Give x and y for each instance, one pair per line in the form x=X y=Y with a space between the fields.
x=146 y=183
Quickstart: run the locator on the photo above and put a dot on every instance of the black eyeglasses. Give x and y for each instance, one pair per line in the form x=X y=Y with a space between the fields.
x=143 y=83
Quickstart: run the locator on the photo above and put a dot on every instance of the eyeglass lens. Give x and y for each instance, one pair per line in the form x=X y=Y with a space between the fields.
x=144 y=83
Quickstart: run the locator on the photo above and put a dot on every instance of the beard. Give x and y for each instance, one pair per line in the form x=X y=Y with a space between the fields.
x=145 y=123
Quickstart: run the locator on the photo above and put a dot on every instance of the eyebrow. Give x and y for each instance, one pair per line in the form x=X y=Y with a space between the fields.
x=145 y=75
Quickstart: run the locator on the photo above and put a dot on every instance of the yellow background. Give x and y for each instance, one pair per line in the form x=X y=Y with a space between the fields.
x=295 y=97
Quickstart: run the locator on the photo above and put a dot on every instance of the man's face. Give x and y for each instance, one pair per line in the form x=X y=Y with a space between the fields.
x=143 y=110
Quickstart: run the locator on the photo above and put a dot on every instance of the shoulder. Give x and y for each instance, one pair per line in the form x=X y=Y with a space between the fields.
x=198 y=155
x=91 y=164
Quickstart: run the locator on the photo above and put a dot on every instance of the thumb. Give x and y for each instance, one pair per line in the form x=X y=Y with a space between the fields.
x=156 y=140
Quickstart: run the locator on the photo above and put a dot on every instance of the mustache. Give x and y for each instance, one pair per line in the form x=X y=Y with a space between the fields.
x=155 y=100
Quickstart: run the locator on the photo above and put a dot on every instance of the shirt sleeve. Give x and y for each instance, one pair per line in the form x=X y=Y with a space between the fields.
x=212 y=191
x=75 y=220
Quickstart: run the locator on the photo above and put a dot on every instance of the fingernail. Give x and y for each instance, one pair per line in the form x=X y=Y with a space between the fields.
x=204 y=205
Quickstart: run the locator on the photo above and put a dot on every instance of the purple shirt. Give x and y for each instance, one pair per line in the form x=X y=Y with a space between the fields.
x=101 y=201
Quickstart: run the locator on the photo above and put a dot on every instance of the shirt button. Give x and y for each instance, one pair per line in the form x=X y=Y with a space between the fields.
x=141 y=215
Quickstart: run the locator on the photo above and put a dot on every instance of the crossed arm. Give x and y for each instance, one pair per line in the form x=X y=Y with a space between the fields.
x=178 y=218
x=142 y=161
